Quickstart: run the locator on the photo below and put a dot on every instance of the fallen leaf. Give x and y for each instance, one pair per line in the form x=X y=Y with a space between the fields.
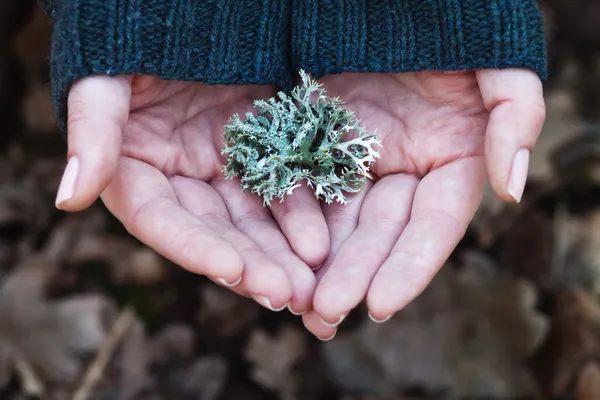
x=32 y=44
x=128 y=261
x=582 y=259
x=526 y=248
x=39 y=111
x=468 y=335
x=52 y=336
x=587 y=386
x=22 y=207
x=6 y=365
x=175 y=342
x=205 y=378
x=273 y=359
x=573 y=342
x=132 y=362
x=225 y=312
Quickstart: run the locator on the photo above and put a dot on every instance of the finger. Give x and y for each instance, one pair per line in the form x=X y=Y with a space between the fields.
x=188 y=191
x=98 y=108
x=342 y=220
x=515 y=101
x=250 y=216
x=382 y=218
x=301 y=220
x=141 y=197
x=262 y=276
x=444 y=204
x=312 y=322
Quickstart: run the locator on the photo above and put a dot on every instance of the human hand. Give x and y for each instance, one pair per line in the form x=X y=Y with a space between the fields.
x=151 y=149
x=439 y=132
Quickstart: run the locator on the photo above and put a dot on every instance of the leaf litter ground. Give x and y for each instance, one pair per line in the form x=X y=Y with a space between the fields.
x=513 y=315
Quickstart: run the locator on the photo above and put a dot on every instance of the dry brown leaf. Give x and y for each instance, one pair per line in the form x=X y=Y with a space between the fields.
x=274 y=358
x=526 y=248
x=551 y=251
x=128 y=261
x=205 y=378
x=562 y=123
x=224 y=311
x=132 y=362
x=32 y=45
x=467 y=335
x=573 y=342
x=38 y=110
x=587 y=386
x=50 y=335
x=6 y=365
x=578 y=19
x=174 y=342
x=582 y=259
x=146 y=266
x=577 y=157
x=23 y=205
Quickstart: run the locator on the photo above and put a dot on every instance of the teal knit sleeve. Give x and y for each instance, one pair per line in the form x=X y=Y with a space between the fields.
x=334 y=36
x=213 y=41
x=264 y=41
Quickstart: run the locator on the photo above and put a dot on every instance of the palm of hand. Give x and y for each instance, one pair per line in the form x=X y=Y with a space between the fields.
x=425 y=120
x=151 y=148
x=173 y=138
x=170 y=192
x=390 y=241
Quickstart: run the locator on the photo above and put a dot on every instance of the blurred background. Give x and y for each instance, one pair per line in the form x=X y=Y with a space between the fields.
x=87 y=312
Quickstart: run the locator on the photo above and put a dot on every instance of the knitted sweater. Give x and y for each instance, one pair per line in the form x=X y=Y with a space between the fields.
x=266 y=41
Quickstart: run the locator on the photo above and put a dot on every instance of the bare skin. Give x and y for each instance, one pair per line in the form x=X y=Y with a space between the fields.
x=151 y=150
x=439 y=132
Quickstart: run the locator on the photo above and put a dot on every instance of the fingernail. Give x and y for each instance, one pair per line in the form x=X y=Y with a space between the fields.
x=518 y=174
x=67 y=183
x=335 y=323
x=294 y=312
x=316 y=268
x=265 y=302
x=380 y=321
x=329 y=338
x=225 y=283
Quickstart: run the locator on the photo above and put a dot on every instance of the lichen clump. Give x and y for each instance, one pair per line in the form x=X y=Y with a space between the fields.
x=299 y=138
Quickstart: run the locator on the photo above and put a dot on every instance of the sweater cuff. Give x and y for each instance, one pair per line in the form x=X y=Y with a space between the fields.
x=413 y=35
x=212 y=41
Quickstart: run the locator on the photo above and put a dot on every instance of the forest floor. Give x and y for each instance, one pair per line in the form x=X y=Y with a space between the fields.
x=87 y=312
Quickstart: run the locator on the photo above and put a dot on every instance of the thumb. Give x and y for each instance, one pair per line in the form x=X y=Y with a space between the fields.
x=98 y=108
x=515 y=101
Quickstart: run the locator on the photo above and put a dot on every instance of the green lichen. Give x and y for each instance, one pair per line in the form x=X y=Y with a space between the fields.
x=299 y=138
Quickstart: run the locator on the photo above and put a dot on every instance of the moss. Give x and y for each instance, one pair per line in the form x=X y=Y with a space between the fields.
x=299 y=138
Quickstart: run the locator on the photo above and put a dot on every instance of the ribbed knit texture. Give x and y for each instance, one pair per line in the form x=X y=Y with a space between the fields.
x=266 y=41
x=213 y=41
x=333 y=36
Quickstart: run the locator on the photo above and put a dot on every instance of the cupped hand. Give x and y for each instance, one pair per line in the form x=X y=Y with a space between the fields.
x=151 y=149
x=441 y=133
